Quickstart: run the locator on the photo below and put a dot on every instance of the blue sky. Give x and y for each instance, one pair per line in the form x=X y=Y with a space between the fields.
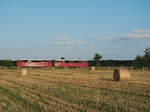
x=117 y=29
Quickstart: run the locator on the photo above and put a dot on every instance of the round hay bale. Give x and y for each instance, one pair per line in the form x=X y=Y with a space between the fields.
x=121 y=74
x=92 y=68
x=24 y=72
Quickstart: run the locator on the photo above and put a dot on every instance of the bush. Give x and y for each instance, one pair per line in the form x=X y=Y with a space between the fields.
x=7 y=63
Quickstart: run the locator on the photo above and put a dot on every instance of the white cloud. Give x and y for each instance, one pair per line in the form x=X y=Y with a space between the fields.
x=64 y=43
x=140 y=31
x=109 y=38
x=138 y=35
x=81 y=42
x=133 y=36
x=61 y=39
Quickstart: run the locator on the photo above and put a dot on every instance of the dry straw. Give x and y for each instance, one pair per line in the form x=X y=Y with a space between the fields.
x=23 y=72
x=92 y=68
x=121 y=74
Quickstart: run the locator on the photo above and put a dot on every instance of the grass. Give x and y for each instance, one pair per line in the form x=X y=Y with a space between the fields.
x=73 y=90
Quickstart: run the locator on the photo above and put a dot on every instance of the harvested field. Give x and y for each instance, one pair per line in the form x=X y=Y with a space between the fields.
x=73 y=90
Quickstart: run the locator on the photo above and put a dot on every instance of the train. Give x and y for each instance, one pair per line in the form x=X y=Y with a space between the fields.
x=69 y=63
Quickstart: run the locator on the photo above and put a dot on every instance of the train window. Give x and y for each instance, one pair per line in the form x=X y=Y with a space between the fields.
x=76 y=61
x=61 y=61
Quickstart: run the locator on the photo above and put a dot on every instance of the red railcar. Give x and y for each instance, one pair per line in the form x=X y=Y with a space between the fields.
x=34 y=63
x=71 y=63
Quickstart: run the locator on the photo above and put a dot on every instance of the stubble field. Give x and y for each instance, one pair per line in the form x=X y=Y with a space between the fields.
x=73 y=91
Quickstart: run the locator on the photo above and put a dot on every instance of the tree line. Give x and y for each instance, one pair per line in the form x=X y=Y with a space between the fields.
x=138 y=62
x=105 y=63
x=142 y=61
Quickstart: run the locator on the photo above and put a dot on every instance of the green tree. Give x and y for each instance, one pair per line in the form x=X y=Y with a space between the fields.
x=97 y=58
x=7 y=63
x=139 y=62
x=147 y=56
x=142 y=61
x=147 y=52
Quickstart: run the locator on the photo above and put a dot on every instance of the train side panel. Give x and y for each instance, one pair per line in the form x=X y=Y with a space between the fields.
x=34 y=64
x=82 y=64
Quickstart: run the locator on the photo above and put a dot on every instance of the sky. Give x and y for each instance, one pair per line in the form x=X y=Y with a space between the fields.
x=116 y=29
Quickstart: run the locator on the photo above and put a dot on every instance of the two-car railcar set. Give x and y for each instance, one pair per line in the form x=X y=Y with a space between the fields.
x=49 y=63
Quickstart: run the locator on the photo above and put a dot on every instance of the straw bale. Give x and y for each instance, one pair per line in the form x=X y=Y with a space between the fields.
x=24 y=72
x=92 y=68
x=121 y=74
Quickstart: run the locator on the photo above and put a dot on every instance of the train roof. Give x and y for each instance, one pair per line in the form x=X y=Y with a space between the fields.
x=51 y=59
x=35 y=59
x=70 y=60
